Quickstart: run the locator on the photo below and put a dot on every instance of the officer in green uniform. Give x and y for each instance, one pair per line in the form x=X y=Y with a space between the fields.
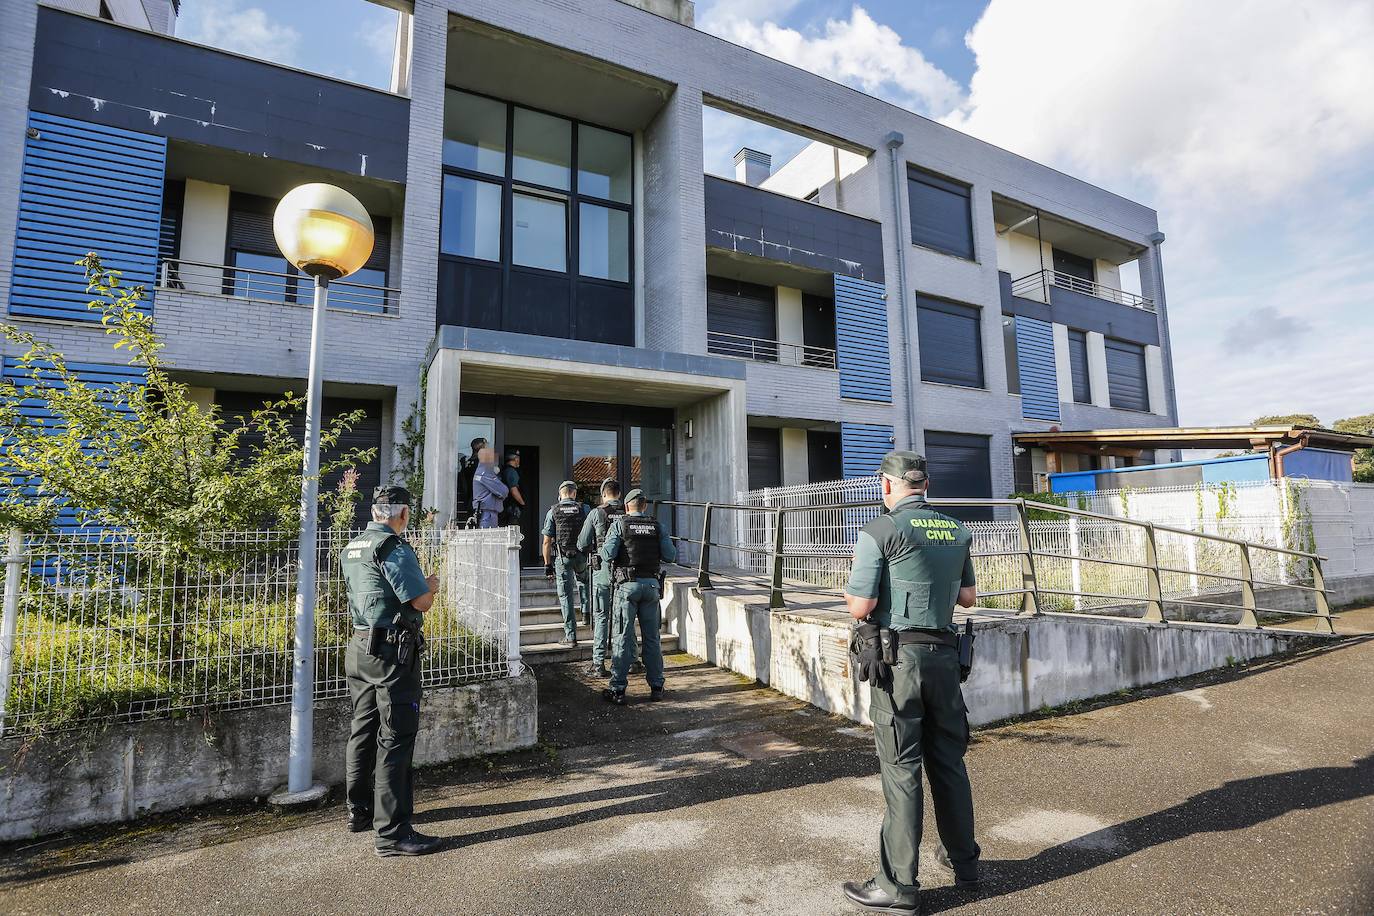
x=911 y=566
x=564 y=561
x=388 y=594
x=590 y=542
x=636 y=548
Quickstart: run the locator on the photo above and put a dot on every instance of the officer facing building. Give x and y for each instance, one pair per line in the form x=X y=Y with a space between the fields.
x=910 y=568
x=636 y=548
x=590 y=542
x=388 y=595
x=563 y=559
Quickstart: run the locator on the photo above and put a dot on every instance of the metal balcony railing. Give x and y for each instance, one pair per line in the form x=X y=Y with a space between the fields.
x=270 y=286
x=1037 y=286
x=769 y=351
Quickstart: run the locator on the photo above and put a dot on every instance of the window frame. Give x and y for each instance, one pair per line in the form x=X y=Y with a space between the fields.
x=573 y=197
x=930 y=179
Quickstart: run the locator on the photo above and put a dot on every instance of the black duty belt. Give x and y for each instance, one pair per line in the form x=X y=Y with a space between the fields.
x=928 y=638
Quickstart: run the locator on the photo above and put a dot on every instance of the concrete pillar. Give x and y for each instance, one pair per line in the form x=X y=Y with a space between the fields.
x=1097 y=369
x=1063 y=369
x=442 y=451
x=674 y=261
x=204 y=234
x=1151 y=266
x=715 y=463
x=1154 y=380
x=796 y=466
x=16 y=50
x=417 y=277
x=790 y=323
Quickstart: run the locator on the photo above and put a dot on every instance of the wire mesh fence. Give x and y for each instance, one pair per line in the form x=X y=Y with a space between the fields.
x=127 y=626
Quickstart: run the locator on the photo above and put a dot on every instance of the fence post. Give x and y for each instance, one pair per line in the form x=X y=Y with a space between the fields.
x=513 y=663
x=1247 y=589
x=14 y=562
x=1323 y=603
x=1194 y=586
x=1075 y=565
x=704 y=566
x=1154 y=609
x=775 y=601
x=1030 y=588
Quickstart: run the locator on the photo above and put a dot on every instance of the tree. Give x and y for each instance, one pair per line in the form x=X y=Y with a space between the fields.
x=1305 y=420
x=144 y=456
x=1364 y=458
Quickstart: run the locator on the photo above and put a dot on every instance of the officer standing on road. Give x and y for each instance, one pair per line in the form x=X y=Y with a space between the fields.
x=911 y=566
x=563 y=559
x=636 y=548
x=388 y=595
x=590 y=542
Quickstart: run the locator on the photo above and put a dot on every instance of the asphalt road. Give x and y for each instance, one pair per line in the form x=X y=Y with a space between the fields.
x=1247 y=791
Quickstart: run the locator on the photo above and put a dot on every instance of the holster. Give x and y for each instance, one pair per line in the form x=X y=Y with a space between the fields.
x=662 y=577
x=376 y=636
x=966 y=651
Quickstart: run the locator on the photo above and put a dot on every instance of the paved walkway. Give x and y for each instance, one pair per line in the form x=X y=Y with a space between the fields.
x=1245 y=792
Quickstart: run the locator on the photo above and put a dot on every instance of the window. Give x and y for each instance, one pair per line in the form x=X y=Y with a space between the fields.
x=604 y=243
x=940 y=215
x=471 y=220
x=474 y=133
x=1078 y=367
x=268 y=285
x=604 y=164
x=1009 y=351
x=543 y=149
x=960 y=465
x=539 y=237
x=1126 y=384
x=949 y=336
x=1074 y=265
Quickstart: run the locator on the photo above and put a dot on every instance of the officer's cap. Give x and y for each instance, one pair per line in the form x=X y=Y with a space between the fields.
x=479 y=442
x=391 y=495
x=568 y=485
x=610 y=483
x=513 y=453
x=634 y=495
x=908 y=466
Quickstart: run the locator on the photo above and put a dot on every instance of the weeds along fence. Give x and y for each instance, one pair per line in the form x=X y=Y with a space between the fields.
x=119 y=626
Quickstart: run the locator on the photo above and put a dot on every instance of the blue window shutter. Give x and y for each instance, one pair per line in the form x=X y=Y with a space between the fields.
x=1039 y=380
x=85 y=187
x=97 y=375
x=862 y=447
x=861 y=346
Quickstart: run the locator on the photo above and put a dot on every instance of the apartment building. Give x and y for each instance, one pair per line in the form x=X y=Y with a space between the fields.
x=554 y=269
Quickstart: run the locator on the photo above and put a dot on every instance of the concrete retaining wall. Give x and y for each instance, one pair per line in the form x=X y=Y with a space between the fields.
x=125 y=771
x=1021 y=663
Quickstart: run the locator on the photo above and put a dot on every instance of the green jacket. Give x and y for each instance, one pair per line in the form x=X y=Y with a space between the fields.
x=913 y=560
x=383 y=576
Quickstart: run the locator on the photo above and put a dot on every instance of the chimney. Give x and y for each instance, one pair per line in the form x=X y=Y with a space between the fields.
x=752 y=167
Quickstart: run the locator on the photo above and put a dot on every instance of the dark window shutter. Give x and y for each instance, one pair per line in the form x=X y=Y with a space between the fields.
x=765 y=457
x=949 y=336
x=741 y=310
x=1074 y=265
x=940 y=214
x=1078 y=367
x=1126 y=383
x=960 y=464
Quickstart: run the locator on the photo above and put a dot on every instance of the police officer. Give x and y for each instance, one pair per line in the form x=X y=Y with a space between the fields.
x=590 y=542
x=563 y=559
x=911 y=566
x=515 y=500
x=636 y=548
x=388 y=595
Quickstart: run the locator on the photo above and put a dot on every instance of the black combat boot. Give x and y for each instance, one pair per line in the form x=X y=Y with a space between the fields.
x=966 y=877
x=359 y=821
x=655 y=693
x=598 y=670
x=614 y=696
x=871 y=898
x=414 y=844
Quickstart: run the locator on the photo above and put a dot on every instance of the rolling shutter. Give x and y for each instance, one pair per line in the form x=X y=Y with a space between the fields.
x=1035 y=359
x=949 y=336
x=84 y=187
x=765 y=457
x=1126 y=384
x=741 y=310
x=940 y=215
x=861 y=341
x=1078 y=367
x=960 y=464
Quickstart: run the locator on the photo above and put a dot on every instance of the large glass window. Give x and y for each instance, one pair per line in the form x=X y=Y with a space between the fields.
x=471 y=221
x=604 y=165
x=604 y=243
x=539 y=237
x=474 y=133
x=543 y=149
x=267 y=286
x=595 y=457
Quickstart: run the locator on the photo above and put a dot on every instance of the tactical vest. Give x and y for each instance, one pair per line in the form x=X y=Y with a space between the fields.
x=924 y=553
x=610 y=511
x=567 y=525
x=639 y=550
x=371 y=599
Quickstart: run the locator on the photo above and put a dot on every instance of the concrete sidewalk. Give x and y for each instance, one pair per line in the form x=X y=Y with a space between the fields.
x=1248 y=791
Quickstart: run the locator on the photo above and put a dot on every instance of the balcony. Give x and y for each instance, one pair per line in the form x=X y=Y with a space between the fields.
x=769 y=351
x=1037 y=286
x=273 y=287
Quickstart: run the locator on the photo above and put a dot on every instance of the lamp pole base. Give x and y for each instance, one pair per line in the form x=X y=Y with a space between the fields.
x=285 y=801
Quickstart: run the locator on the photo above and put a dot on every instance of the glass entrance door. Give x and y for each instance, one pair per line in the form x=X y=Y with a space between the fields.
x=594 y=456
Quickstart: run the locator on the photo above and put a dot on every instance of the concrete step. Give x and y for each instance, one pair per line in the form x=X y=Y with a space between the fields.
x=552 y=653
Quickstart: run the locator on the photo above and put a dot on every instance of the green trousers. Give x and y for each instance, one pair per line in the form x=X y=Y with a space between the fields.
x=637 y=601
x=570 y=574
x=923 y=723
x=386 y=716
x=601 y=613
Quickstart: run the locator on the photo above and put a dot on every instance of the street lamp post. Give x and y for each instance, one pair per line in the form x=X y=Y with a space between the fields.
x=325 y=232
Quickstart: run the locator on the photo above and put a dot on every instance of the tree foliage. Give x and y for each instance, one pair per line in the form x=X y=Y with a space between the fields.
x=1364 y=458
x=1289 y=419
x=145 y=456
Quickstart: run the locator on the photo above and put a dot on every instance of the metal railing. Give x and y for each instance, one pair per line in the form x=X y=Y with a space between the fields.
x=769 y=351
x=1042 y=557
x=1037 y=285
x=271 y=286
x=120 y=626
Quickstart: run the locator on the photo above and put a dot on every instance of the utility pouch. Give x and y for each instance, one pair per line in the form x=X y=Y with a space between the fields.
x=890 y=641
x=662 y=577
x=966 y=651
x=375 y=638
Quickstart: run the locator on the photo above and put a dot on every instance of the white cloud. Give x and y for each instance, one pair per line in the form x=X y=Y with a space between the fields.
x=857 y=51
x=231 y=26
